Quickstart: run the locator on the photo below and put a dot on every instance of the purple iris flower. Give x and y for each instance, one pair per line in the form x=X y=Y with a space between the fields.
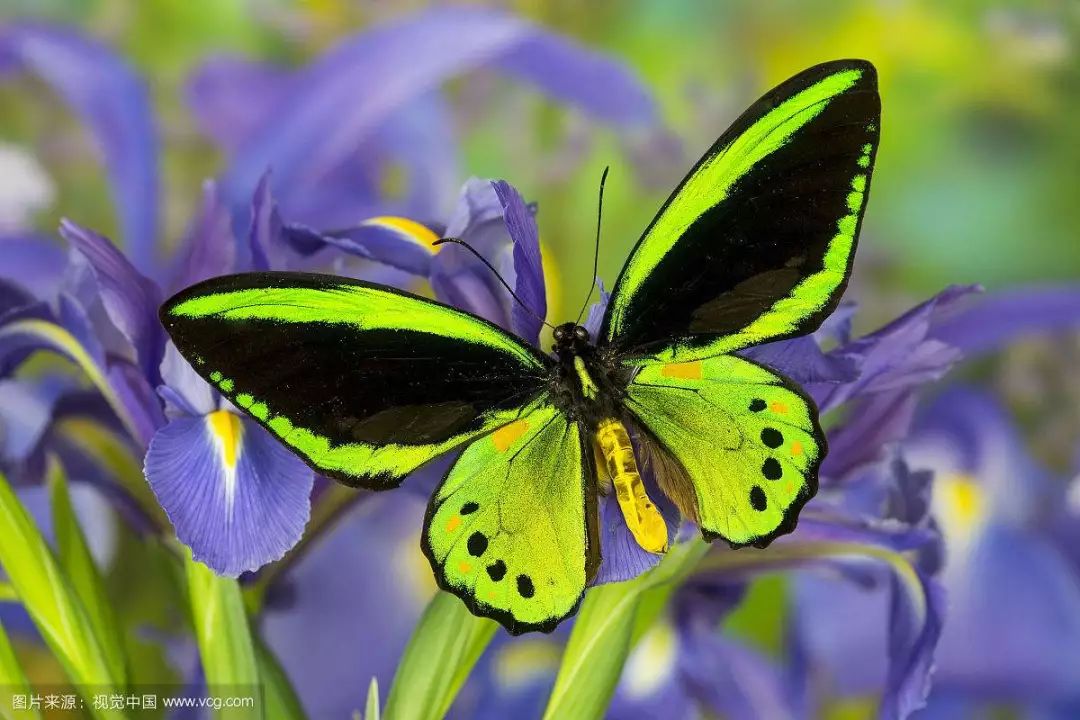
x=1013 y=636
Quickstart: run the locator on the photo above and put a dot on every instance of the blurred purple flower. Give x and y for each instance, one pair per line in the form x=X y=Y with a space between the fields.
x=112 y=100
x=328 y=129
x=1013 y=635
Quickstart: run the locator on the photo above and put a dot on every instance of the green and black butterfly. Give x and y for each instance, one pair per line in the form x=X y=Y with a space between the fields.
x=367 y=383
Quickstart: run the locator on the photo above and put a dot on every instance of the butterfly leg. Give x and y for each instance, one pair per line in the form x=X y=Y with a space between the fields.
x=644 y=520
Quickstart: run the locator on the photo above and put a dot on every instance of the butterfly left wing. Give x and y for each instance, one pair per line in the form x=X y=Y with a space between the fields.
x=512 y=530
x=363 y=382
x=756 y=243
x=734 y=445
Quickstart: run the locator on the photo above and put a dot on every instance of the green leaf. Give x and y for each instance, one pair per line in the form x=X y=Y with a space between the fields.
x=446 y=644
x=75 y=559
x=13 y=682
x=606 y=628
x=279 y=697
x=371 y=712
x=224 y=638
x=51 y=601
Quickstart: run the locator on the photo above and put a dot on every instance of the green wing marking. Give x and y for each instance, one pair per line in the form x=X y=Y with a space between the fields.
x=363 y=382
x=512 y=528
x=746 y=442
x=756 y=244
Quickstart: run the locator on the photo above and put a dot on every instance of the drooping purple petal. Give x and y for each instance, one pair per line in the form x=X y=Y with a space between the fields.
x=395 y=241
x=209 y=249
x=34 y=263
x=903 y=354
x=235 y=496
x=130 y=299
x=111 y=99
x=528 y=267
x=347 y=95
x=1004 y=317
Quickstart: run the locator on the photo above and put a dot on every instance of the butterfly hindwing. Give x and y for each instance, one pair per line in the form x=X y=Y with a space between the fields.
x=745 y=444
x=756 y=243
x=512 y=528
x=363 y=382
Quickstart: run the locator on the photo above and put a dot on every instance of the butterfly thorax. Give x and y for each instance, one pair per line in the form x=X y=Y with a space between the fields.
x=588 y=389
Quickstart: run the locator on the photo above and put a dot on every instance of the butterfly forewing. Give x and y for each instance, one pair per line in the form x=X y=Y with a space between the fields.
x=363 y=382
x=756 y=244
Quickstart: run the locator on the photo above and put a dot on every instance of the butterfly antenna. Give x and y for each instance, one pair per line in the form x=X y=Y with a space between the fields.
x=596 y=246
x=481 y=258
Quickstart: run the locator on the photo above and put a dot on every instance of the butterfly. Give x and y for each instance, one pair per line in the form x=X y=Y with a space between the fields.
x=367 y=383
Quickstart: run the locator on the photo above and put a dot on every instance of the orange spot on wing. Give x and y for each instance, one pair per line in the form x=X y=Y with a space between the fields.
x=789 y=488
x=464 y=567
x=453 y=524
x=491 y=595
x=505 y=436
x=686 y=370
x=796 y=449
x=779 y=407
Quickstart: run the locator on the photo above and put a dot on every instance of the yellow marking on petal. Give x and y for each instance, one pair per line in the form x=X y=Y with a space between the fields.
x=686 y=370
x=454 y=524
x=779 y=407
x=227 y=429
x=505 y=436
x=464 y=567
x=412 y=230
x=796 y=449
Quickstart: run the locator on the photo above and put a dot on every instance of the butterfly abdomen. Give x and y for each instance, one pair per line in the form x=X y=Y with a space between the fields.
x=644 y=520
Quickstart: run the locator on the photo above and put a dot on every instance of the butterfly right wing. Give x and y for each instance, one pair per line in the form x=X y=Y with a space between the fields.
x=734 y=445
x=363 y=382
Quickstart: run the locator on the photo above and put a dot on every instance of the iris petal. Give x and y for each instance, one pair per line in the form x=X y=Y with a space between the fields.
x=130 y=299
x=528 y=266
x=235 y=496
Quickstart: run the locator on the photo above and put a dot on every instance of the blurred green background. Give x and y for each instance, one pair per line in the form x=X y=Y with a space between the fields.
x=977 y=174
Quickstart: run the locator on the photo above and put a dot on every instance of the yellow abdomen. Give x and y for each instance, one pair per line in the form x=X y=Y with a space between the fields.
x=642 y=517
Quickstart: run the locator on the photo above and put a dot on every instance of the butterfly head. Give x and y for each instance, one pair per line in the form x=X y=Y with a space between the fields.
x=570 y=339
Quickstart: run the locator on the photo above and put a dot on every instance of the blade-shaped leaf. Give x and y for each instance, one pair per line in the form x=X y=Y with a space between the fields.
x=13 y=683
x=278 y=693
x=446 y=644
x=371 y=711
x=75 y=559
x=224 y=638
x=605 y=630
x=51 y=601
